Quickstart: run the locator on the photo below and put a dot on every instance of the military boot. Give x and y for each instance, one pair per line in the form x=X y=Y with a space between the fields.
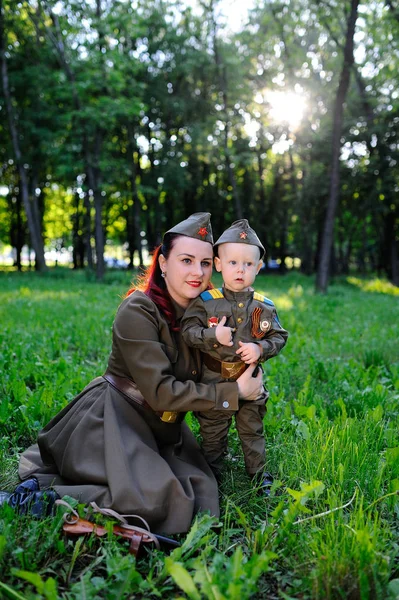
x=263 y=483
x=27 y=498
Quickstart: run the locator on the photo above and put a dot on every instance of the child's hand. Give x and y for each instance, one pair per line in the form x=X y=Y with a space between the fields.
x=224 y=335
x=249 y=352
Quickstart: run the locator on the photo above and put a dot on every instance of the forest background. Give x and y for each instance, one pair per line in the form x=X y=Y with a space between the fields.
x=118 y=119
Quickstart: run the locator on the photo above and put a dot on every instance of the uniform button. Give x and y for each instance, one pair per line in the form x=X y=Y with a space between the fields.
x=241 y=305
x=193 y=372
x=226 y=404
x=215 y=345
x=239 y=320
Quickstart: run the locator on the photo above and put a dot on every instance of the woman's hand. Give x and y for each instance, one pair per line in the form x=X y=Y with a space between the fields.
x=224 y=335
x=250 y=388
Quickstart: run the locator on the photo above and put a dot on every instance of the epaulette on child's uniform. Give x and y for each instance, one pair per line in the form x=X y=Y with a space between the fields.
x=217 y=293
x=262 y=298
x=212 y=294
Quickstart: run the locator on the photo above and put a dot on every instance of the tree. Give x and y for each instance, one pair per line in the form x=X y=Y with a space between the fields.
x=328 y=230
x=29 y=200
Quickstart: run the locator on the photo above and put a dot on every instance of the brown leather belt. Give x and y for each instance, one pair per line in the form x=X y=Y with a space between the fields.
x=228 y=370
x=128 y=388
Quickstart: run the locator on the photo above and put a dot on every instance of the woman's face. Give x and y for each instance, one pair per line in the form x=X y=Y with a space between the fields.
x=187 y=269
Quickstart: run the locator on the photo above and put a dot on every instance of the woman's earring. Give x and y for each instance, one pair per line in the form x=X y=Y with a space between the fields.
x=163 y=274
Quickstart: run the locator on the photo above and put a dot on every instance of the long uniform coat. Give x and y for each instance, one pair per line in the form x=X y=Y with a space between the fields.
x=103 y=447
x=253 y=318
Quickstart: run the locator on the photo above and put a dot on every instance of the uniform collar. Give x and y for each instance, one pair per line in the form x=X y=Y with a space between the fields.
x=179 y=310
x=229 y=295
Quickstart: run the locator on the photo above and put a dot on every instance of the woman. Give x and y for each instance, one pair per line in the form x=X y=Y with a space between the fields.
x=122 y=442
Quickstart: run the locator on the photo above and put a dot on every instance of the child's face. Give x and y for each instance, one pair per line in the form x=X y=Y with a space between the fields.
x=239 y=265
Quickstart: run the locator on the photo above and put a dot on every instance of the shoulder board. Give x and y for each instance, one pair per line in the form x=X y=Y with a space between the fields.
x=262 y=298
x=212 y=294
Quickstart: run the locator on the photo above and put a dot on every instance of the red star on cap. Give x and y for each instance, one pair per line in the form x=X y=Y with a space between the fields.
x=243 y=235
x=203 y=231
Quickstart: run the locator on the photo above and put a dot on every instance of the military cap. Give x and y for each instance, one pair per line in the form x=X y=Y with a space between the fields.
x=196 y=226
x=240 y=232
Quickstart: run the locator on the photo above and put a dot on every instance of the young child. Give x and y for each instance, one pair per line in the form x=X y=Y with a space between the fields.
x=234 y=327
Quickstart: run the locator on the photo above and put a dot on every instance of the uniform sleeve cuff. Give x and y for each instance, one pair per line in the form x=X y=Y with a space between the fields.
x=209 y=336
x=226 y=396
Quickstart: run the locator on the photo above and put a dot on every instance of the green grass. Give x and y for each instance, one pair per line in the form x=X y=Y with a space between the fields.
x=330 y=529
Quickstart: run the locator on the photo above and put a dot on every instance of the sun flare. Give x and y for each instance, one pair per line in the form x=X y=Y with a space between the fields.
x=284 y=107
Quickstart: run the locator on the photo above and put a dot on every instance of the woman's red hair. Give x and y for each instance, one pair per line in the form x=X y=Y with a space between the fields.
x=153 y=284
x=149 y=284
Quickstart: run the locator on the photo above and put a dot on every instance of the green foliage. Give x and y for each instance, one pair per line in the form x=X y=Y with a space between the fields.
x=379 y=286
x=329 y=530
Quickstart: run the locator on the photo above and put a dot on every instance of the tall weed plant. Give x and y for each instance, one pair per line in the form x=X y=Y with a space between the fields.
x=330 y=528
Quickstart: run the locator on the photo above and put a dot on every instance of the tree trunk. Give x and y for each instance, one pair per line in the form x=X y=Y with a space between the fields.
x=136 y=200
x=17 y=228
x=260 y=204
x=33 y=224
x=221 y=72
x=262 y=196
x=75 y=233
x=94 y=184
x=394 y=261
x=98 y=141
x=87 y=230
x=99 y=235
x=306 y=239
x=37 y=205
x=230 y=173
x=78 y=242
x=328 y=230
x=157 y=225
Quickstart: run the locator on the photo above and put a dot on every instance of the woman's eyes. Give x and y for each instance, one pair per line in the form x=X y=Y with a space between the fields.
x=204 y=263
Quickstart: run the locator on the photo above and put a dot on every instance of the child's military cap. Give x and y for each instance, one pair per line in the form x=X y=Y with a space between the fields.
x=240 y=232
x=196 y=226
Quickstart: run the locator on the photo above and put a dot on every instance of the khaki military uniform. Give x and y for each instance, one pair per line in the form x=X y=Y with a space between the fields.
x=254 y=318
x=114 y=448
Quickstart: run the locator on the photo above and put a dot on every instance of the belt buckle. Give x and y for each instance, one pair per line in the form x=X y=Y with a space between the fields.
x=231 y=370
x=169 y=416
